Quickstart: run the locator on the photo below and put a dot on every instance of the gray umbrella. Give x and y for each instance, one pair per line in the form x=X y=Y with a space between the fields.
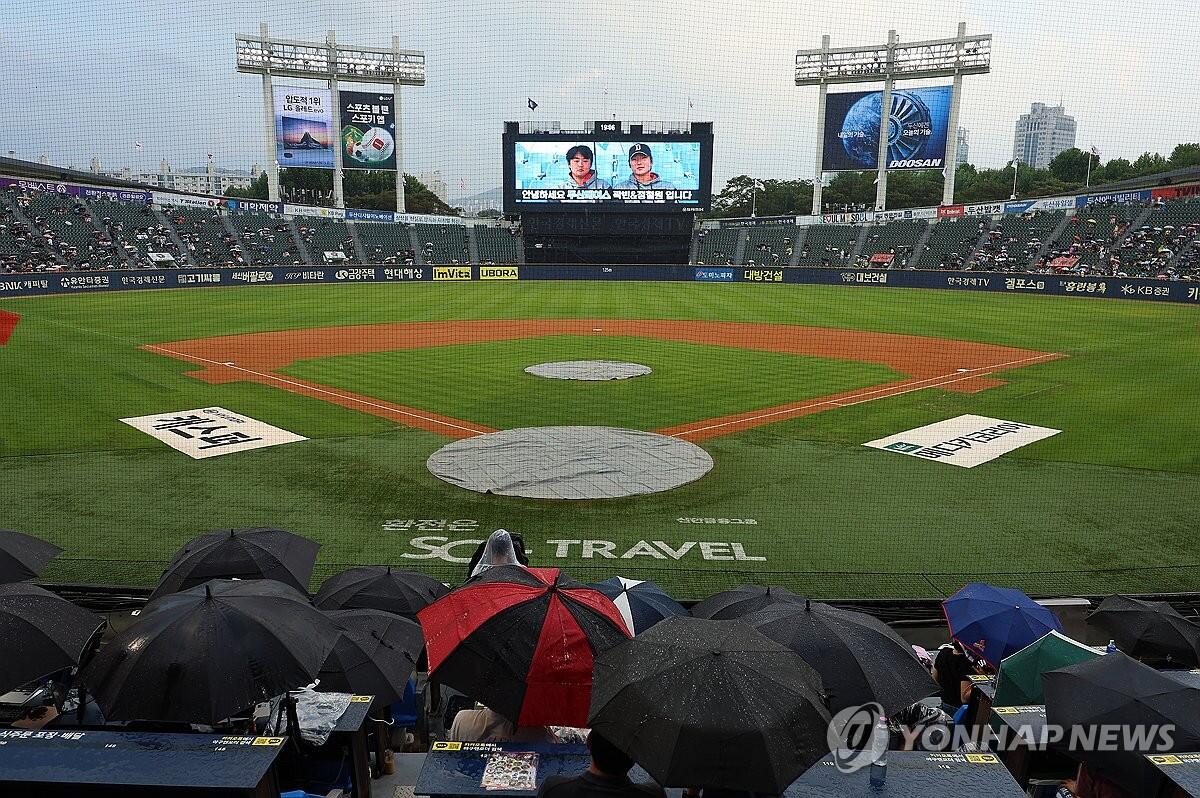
x=375 y=654
x=23 y=556
x=259 y=553
x=41 y=632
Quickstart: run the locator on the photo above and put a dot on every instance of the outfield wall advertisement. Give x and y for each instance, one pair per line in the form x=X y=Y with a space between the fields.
x=1040 y=284
x=918 y=121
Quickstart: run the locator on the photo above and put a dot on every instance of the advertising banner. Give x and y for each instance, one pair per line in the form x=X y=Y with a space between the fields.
x=592 y=172
x=1114 y=196
x=985 y=209
x=368 y=130
x=917 y=129
x=186 y=200
x=360 y=215
x=72 y=190
x=211 y=431
x=312 y=210
x=951 y=211
x=965 y=441
x=304 y=127
x=906 y=214
x=254 y=206
x=1175 y=192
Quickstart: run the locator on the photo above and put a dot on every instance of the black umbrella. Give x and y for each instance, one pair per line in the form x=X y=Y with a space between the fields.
x=204 y=654
x=23 y=556
x=742 y=600
x=859 y=657
x=711 y=704
x=259 y=553
x=375 y=653
x=1151 y=629
x=1116 y=691
x=41 y=632
x=379 y=588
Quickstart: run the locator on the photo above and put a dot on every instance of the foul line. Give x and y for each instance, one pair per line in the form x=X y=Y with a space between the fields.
x=307 y=387
x=887 y=392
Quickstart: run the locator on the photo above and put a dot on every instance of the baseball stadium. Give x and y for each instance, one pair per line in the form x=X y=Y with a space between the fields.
x=413 y=294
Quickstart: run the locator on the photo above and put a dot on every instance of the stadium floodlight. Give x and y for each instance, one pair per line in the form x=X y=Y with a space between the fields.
x=935 y=58
x=330 y=62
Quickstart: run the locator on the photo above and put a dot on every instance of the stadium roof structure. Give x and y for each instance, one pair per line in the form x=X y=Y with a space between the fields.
x=934 y=58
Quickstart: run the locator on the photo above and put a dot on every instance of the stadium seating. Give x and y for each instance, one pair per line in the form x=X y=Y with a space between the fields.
x=443 y=243
x=20 y=250
x=135 y=228
x=1090 y=236
x=65 y=225
x=771 y=245
x=1014 y=243
x=497 y=245
x=327 y=235
x=829 y=245
x=717 y=247
x=951 y=242
x=894 y=238
x=266 y=240
x=385 y=243
x=203 y=232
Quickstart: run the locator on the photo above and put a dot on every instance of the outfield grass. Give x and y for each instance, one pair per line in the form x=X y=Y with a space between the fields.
x=1109 y=503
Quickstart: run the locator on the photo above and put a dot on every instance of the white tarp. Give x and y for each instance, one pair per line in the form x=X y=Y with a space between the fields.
x=211 y=431
x=591 y=370
x=965 y=441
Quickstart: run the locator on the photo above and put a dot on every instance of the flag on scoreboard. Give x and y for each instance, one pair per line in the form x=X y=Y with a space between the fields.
x=8 y=323
x=532 y=105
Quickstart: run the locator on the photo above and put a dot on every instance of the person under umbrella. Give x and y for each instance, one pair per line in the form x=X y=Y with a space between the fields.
x=741 y=601
x=714 y=704
x=204 y=654
x=259 y=553
x=42 y=632
x=1151 y=630
x=1118 y=692
x=522 y=641
x=501 y=548
x=993 y=622
x=641 y=604
x=379 y=588
x=860 y=659
x=375 y=653
x=23 y=556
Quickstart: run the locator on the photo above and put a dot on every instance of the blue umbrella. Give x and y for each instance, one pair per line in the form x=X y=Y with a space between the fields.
x=993 y=622
x=642 y=604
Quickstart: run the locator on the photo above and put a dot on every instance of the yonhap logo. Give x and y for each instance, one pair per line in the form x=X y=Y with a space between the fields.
x=851 y=737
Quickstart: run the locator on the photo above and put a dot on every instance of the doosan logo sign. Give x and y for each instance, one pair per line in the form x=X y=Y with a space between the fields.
x=911 y=163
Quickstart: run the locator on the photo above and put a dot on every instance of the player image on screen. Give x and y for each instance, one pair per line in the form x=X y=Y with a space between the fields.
x=580 y=173
x=642 y=174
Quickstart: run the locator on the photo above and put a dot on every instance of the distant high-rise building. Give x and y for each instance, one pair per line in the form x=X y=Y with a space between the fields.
x=962 y=146
x=436 y=184
x=1043 y=133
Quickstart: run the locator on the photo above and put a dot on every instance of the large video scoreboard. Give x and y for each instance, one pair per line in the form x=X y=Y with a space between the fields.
x=612 y=168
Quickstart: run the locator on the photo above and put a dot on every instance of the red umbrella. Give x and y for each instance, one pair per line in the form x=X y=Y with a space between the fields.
x=522 y=641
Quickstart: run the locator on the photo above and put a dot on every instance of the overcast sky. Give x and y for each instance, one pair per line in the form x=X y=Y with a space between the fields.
x=84 y=79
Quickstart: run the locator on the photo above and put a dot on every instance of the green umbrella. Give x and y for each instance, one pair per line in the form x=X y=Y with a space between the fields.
x=1019 y=682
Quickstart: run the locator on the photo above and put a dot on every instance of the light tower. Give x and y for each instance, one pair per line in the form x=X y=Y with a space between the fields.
x=961 y=55
x=330 y=62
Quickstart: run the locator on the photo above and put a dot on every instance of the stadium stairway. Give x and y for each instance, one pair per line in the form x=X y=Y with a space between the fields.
x=1134 y=226
x=798 y=247
x=694 y=247
x=171 y=231
x=859 y=243
x=1052 y=239
x=229 y=227
x=739 y=251
x=356 y=242
x=301 y=247
x=984 y=235
x=919 y=248
x=472 y=244
x=415 y=242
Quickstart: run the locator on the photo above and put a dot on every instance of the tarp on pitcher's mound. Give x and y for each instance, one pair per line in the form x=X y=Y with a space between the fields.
x=591 y=370
x=570 y=462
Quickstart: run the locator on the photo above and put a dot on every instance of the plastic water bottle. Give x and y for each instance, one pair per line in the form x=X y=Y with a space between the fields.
x=1111 y=647
x=879 y=745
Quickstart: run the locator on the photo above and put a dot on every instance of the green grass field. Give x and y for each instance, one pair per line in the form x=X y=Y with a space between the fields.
x=1111 y=503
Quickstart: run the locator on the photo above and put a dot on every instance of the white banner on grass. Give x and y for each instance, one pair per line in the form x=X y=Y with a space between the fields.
x=965 y=441
x=211 y=431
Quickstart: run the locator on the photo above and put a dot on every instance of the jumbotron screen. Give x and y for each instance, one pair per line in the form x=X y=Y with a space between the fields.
x=628 y=173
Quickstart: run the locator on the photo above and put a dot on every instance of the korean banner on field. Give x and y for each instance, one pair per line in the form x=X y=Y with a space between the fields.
x=303 y=127
x=917 y=129
x=368 y=125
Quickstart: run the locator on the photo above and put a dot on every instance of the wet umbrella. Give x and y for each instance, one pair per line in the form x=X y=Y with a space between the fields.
x=259 y=553
x=713 y=704
x=641 y=604
x=860 y=659
x=993 y=622
x=201 y=655
x=742 y=600
x=1019 y=682
x=379 y=588
x=23 y=556
x=375 y=653
x=1118 y=692
x=1150 y=629
x=42 y=633
x=522 y=641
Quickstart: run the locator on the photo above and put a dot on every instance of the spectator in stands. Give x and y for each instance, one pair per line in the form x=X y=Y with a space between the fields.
x=606 y=777
x=1087 y=784
x=951 y=667
x=483 y=725
x=580 y=173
